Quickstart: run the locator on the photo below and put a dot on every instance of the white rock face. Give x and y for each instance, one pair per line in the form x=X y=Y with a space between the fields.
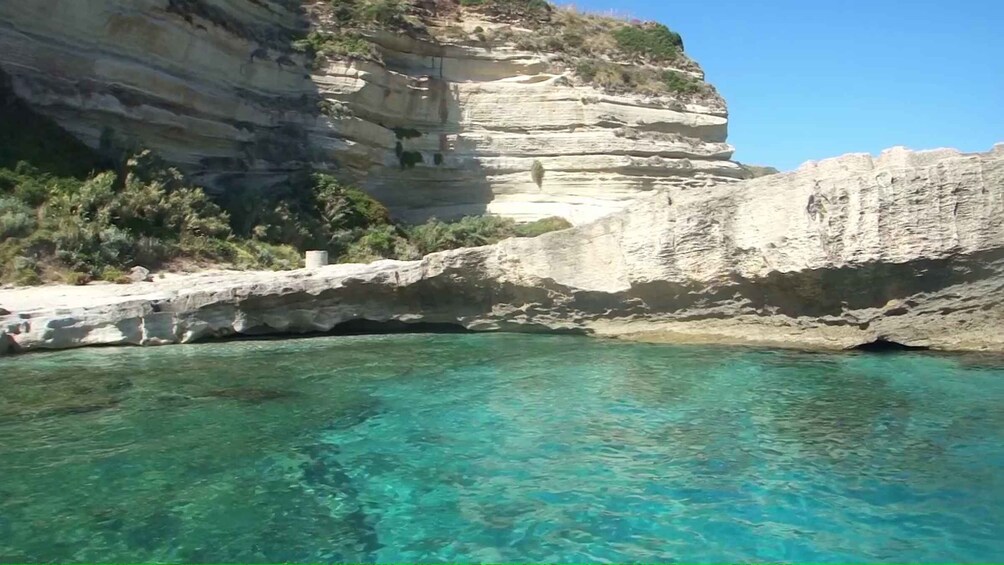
x=216 y=88
x=489 y=114
x=908 y=247
x=175 y=76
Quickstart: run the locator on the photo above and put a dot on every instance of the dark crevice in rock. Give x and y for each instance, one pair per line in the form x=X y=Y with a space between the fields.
x=883 y=345
x=831 y=292
x=7 y=344
x=272 y=33
x=362 y=326
x=359 y=326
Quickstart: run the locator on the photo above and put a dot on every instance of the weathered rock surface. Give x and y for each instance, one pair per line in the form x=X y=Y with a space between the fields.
x=216 y=88
x=907 y=247
x=139 y=274
x=489 y=114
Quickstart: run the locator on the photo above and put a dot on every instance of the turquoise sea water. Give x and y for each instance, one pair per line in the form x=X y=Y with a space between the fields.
x=502 y=448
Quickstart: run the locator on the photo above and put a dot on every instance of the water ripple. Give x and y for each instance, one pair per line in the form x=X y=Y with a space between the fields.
x=499 y=448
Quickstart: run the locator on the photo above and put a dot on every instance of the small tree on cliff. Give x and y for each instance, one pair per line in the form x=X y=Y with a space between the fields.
x=537 y=173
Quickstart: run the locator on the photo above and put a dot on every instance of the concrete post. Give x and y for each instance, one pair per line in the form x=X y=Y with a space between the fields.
x=316 y=259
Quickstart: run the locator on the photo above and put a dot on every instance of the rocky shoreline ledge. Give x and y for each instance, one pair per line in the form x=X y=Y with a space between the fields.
x=905 y=248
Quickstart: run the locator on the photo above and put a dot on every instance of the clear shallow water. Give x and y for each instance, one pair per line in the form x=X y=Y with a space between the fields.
x=500 y=448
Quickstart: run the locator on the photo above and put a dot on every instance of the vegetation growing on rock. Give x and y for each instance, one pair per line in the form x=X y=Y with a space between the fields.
x=616 y=77
x=347 y=44
x=473 y=231
x=608 y=52
x=342 y=34
x=67 y=228
x=537 y=173
x=652 y=41
x=756 y=171
x=335 y=109
x=512 y=10
x=70 y=214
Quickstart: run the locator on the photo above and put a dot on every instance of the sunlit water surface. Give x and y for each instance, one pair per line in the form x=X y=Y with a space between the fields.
x=501 y=448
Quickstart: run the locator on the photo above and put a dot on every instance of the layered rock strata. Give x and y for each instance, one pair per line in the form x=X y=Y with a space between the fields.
x=215 y=87
x=196 y=81
x=906 y=248
x=481 y=117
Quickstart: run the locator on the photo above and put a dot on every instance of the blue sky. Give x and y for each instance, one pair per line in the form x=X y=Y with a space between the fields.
x=809 y=79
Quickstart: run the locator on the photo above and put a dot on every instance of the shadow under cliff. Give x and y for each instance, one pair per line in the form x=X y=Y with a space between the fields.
x=419 y=163
x=817 y=293
x=274 y=153
x=215 y=88
x=26 y=136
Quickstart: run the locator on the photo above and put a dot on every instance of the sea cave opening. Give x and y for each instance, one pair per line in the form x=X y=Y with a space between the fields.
x=883 y=345
x=363 y=326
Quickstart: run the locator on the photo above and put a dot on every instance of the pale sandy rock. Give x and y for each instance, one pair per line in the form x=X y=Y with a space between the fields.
x=907 y=247
x=216 y=88
x=139 y=274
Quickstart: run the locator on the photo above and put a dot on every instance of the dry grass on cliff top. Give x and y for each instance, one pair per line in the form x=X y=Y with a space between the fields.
x=605 y=50
x=613 y=53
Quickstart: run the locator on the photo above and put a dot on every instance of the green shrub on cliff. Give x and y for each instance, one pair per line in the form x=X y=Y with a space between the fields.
x=756 y=171
x=97 y=228
x=313 y=212
x=616 y=77
x=68 y=213
x=473 y=231
x=346 y=38
x=512 y=9
x=353 y=227
x=16 y=218
x=608 y=52
x=653 y=41
x=384 y=13
x=111 y=221
x=91 y=218
x=542 y=226
x=342 y=44
x=679 y=82
x=378 y=242
x=114 y=275
x=537 y=173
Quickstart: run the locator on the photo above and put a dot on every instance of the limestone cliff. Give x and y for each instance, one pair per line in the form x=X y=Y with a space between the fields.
x=908 y=248
x=216 y=86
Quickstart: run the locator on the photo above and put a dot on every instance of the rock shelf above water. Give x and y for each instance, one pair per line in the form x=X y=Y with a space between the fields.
x=905 y=248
